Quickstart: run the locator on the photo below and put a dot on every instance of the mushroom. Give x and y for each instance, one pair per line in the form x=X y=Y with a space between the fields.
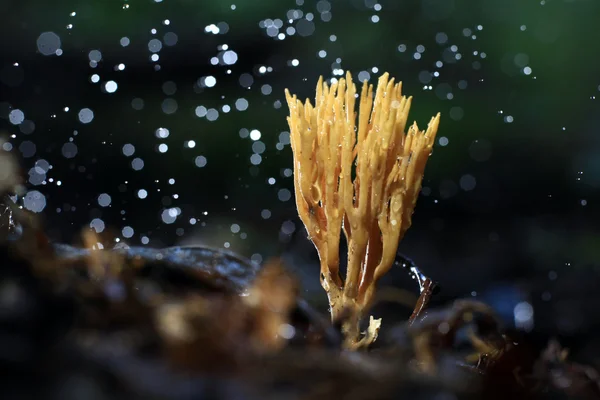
x=361 y=176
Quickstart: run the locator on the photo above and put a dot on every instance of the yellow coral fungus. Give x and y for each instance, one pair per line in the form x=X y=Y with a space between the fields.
x=360 y=176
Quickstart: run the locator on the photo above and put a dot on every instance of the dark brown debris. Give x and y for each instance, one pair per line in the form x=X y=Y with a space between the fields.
x=195 y=322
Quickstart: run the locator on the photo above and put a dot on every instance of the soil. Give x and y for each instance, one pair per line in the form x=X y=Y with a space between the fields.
x=194 y=322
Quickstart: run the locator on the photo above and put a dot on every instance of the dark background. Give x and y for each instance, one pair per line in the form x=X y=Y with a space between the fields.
x=509 y=210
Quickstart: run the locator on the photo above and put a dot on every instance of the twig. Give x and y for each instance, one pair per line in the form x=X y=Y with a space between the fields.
x=427 y=287
x=423 y=301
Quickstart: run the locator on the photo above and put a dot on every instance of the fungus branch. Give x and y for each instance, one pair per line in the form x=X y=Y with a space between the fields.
x=360 y=174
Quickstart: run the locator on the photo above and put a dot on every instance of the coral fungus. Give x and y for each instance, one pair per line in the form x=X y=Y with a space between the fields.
x=361 y=176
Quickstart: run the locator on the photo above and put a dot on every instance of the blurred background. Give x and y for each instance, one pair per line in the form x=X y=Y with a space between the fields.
x=163 y=122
